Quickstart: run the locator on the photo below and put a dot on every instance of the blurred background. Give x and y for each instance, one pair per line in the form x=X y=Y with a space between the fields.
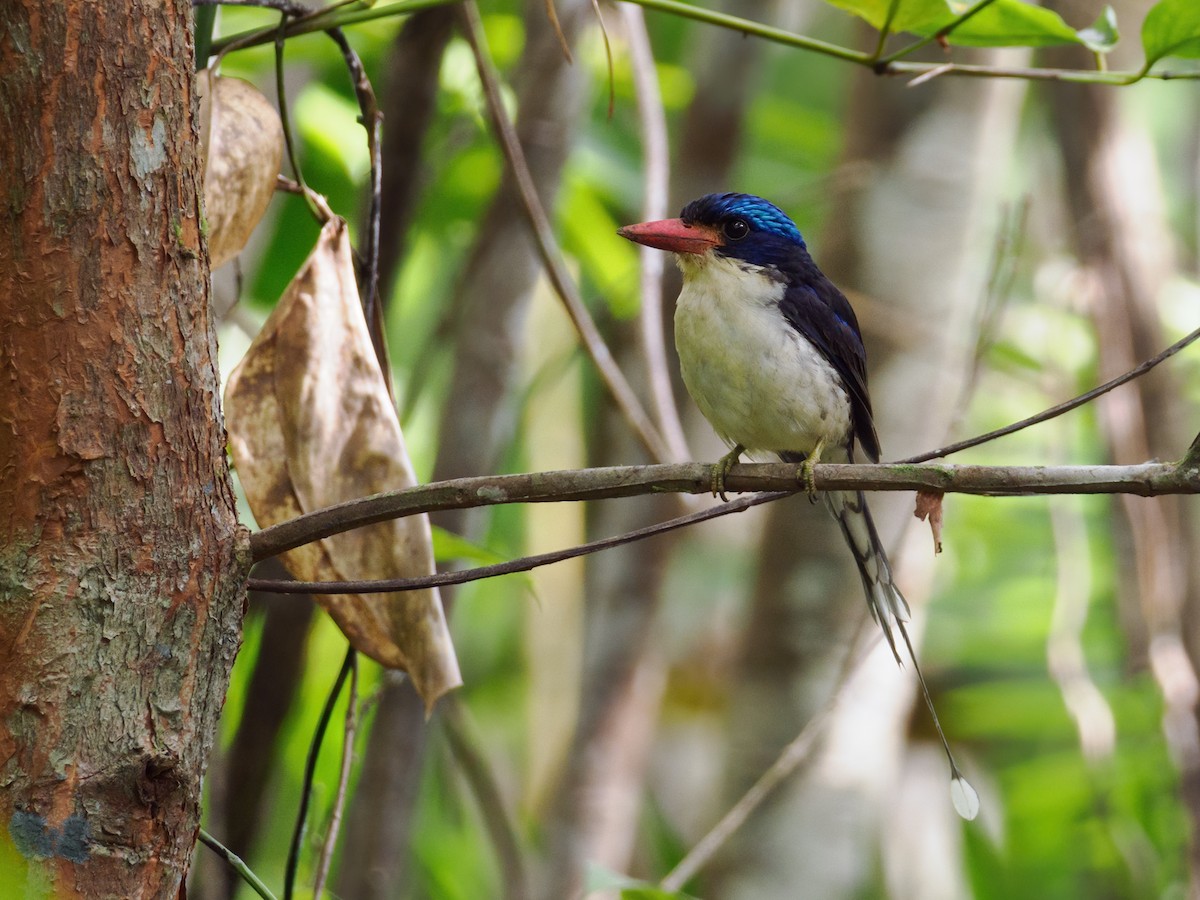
x=1007 y=244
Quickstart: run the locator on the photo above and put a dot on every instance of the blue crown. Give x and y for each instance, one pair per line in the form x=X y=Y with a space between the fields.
x=762 y=215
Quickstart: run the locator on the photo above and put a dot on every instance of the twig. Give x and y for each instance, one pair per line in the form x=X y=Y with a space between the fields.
x=1061 y=408
x=939 y=35
x=1191 y=459
x=310 y=770
x=523 y=564
x=789 y=759
x=285 y=116
x=608 y=56
x=656 y=165
x=1065 y=658
x=886 y=29
x=1146 y=480
x=474 y=766
x=552 y=18
x=543 y=234
x=236 y=863
x=320 y=20
x=324 y=19
x=339 y=801
x=372 y=122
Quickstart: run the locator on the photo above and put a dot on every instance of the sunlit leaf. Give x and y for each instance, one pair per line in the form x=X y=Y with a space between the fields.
x=311 y=424
x=243 y=141
x=448 y=545
x=1171 y=28
x=1102 y=35
x=1003 y=23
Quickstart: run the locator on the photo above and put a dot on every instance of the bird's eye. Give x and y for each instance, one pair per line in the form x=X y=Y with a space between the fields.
x=736 y=229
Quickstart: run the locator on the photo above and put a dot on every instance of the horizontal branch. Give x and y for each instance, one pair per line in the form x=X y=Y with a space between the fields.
x=337 y=16
x=1148 y=479
x=508 y=567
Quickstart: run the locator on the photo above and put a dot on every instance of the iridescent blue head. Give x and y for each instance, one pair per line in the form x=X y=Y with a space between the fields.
x=737 y=226
x=741 y=217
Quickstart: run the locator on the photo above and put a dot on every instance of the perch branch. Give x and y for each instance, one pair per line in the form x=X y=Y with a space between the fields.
x=1147 y=480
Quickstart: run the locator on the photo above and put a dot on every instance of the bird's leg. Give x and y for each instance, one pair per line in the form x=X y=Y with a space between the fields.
x=721 y=468
x=806 y=470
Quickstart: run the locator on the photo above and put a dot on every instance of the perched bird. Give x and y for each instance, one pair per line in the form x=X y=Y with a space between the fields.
x=771 y=352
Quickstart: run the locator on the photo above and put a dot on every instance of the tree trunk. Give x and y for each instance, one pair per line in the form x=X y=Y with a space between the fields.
x=122 y=558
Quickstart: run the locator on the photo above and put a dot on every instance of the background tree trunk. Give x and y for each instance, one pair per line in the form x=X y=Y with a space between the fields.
x=1116 y=213
x=121 y=601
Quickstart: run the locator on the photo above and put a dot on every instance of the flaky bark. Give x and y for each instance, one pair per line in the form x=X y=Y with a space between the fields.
x=120 y=602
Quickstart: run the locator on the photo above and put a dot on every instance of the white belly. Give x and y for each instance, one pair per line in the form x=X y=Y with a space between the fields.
x=757 y=380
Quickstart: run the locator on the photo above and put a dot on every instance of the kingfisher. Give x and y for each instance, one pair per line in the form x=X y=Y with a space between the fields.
x=771 y=352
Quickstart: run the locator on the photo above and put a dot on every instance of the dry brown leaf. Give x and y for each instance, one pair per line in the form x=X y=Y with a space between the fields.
x=311 y=424
x=243 y=138
x=929 y=506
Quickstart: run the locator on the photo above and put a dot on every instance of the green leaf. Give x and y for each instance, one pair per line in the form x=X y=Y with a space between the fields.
x=1171 y=28
x=448 y=545
x=1102 y=35
x=1003 y=23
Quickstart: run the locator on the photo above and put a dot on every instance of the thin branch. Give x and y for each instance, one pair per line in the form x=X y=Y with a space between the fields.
x=372 y=122
x=472 y=761
x=310 y=771
x=339 y=800
x=1146 y=480
x=789 y=759
x=652 y=121
x=755 y=29
x=543 y=235
x=1191 y=460
x=552 y=17
x=236 y=863
x=285 y=116
x=886 y=29
x=1061 y=408
x=939 y=35
x=325 y=18
x=320 y=20
x=509 y=567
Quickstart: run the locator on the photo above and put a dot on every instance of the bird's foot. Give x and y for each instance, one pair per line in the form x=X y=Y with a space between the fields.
x=721 y=468
x=806 y=470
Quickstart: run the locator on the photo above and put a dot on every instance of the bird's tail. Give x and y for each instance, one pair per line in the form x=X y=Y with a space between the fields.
x=883 y=597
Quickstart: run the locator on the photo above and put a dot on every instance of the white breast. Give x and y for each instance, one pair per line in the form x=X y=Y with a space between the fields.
x=757 y=380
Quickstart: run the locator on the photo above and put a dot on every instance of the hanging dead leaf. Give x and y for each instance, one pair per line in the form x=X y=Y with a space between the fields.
x=243 y=138
x=929 y=506
x=311 y=424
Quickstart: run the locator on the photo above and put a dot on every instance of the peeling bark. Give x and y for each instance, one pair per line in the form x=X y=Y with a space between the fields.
x=121 y=599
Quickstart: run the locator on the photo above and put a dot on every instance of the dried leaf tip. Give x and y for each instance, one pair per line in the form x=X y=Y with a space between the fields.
x=929 y=507
x=964 y=797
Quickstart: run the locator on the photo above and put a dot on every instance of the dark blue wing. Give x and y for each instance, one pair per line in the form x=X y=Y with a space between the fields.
x=814 y=306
